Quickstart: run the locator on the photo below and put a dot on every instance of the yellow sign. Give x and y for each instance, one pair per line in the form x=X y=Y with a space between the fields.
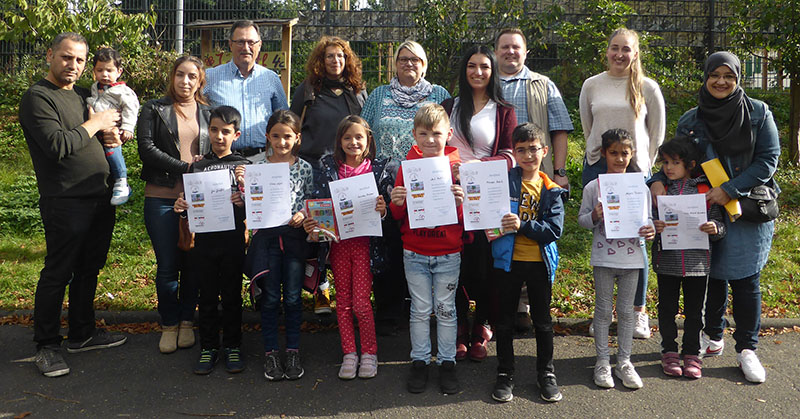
x=273 y=60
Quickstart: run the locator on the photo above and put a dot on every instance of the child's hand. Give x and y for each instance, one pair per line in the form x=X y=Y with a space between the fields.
x=648 y=232
x=380 y=205
x=454 y=171
x=660 y=225
x=709 y=227
x=656 y=189
x=180 y=204
x=309 y=224
x=458 y=194
x=238 y=173
x=297 y=219
x=510 y=222
x=399 y=195
x=236 y=198
x=125 y=136
x=197 y=158
x=597 y=212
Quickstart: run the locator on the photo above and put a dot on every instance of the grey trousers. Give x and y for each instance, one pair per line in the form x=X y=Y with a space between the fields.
x=603 y=307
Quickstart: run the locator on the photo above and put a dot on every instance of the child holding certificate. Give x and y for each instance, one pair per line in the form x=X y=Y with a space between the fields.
x=216 y=259
x=613 y=259
x=432 y=259
x=354 y=260
x=683 y=268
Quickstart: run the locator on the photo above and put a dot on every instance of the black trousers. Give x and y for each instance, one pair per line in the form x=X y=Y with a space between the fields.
x=534 y=274
x=476 y=282
x=77 y=235
x=694 y=293
x=390 y=287
x=216 y=263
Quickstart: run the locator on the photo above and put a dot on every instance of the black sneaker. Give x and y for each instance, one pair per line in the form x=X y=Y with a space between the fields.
x=208 y=357
x=503 y=388
x=272 y=367
x=99 y=340
x=548 y=388
x=50 y=362
x=448 y=381
x=233 y=360
x=418 y=378
x=294 y=369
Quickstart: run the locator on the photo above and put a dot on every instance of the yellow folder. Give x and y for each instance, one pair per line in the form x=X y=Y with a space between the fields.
x=717 y=176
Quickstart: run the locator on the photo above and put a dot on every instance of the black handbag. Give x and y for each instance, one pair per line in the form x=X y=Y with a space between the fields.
x=761 y=205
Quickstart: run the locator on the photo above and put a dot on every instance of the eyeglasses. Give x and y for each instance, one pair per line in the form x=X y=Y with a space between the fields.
x=730 y=78
x=406 y=60
x=242 y=42
x=527 y=150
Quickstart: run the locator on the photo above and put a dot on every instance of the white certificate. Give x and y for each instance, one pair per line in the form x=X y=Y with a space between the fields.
x=486 y=194
x=267 y=195
x=429 y=201
x=209 y=198
x=683 y=215
x=625 y=199
x=354 y=200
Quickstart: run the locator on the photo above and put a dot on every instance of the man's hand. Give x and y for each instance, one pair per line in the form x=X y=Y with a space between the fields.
x=101 y=121
x=111 y=138
x=717 y=196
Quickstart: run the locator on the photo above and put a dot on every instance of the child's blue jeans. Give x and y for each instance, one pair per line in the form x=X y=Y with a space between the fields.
x=116 y=162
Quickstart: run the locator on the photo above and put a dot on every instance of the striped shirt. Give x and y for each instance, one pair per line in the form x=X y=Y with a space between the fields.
x=515 y=92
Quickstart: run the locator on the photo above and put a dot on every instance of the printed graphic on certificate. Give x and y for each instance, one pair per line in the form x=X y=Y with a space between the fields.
x=209 y=197
x=625 y=200
x=321 y=210
x=683 y=215
x=267 y=195
x=354 y=201
x=429 y=201
x=486 y=188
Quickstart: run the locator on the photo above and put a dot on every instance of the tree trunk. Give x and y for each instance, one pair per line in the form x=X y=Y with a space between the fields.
x=794 y=120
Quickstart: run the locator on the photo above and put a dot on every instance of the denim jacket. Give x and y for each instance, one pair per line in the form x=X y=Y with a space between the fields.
x=546 y=229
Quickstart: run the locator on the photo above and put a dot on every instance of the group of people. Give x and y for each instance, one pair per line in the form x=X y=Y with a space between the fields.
x=236 y=114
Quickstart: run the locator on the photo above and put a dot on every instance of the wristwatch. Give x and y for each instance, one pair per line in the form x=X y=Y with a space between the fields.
x=561 y=172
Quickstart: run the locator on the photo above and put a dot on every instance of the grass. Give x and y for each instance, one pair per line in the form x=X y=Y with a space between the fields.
x=126 y=282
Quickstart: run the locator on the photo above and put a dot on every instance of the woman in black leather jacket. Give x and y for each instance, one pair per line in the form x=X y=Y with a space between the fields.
x=171 y=132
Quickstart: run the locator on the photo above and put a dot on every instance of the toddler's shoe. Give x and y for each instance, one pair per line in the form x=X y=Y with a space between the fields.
x=481 y=335
x=642 y=328
x=349 y=366
x=120 y=192
x=671 y=364
x=448 y=381
x=692 y=366
x=602 y=375
x=462 y=341
x=294 y=368
x=751 y=366
x=418 y=377
x=503 y=388
x=169 y=339
x=233 y=360
x=710 y=347
x=625 y=372
x=369 y=366
x=186 y=334
x=322 y=302
x=273 y=370
x=208 y=357
x=548 y=388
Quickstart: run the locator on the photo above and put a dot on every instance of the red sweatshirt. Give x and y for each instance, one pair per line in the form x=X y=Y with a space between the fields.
x=438 y=241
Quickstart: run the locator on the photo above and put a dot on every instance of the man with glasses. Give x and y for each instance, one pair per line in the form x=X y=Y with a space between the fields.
x=256 y=92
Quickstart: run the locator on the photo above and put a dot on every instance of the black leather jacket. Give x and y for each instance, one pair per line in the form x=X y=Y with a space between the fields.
x=159 y=146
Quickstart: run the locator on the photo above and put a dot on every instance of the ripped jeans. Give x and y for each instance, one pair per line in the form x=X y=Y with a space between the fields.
x=432 y=283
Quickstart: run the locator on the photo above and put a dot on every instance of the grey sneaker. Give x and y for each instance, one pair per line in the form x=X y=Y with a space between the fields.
x=50 y=362
x=99 y=340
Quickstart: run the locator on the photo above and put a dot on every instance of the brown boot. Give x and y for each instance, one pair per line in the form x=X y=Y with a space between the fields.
x=481 y=335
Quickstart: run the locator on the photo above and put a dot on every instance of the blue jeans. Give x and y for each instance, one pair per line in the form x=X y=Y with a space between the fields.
x=746 y=309
x=177 y=298
x=432 y=283
x=287 y=271
x=116 y=162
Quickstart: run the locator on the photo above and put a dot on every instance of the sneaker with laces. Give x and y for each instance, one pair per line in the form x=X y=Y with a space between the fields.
x=50 y=361
x=208 y=358
x=448 y=381
x=233 y=360
x=627 y=373
x=369 y=366
x=322 y=302
x=671 y=364
x=349 y=366
x=692 y=366
x=99 y=340
x=294 y=368
x=418 y=377
x=548 y=388
x=273 y=370
x=602 y=375
x=503 y=388
x=120 y=192
x=751 y=366
x=710 y=347
x=642 y=328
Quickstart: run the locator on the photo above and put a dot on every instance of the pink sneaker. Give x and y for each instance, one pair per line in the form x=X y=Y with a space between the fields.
x=692 y=366
x=671 y=364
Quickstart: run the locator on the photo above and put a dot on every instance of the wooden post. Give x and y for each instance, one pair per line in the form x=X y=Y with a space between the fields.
x=764 y=70
x=390 y=61
x=286 y=47
x=380 y=64
x=205 y=42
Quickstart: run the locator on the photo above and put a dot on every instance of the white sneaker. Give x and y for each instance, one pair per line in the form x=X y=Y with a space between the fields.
x=751 y=366
x=602 y=376
x=628 y=375
x=642 y=328
x=120 y=192
x=709 y=347
x=591 y=328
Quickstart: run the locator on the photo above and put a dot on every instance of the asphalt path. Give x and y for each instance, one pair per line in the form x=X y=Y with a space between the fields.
x=135 y=380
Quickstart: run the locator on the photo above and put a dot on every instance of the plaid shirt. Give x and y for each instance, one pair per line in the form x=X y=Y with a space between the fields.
x=255 y=97
x=515 y=92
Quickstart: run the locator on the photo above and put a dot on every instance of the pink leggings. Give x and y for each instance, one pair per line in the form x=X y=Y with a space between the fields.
x=352 y=278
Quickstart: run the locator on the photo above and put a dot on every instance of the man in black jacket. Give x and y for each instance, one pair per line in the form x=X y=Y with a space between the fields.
x=72 y=177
